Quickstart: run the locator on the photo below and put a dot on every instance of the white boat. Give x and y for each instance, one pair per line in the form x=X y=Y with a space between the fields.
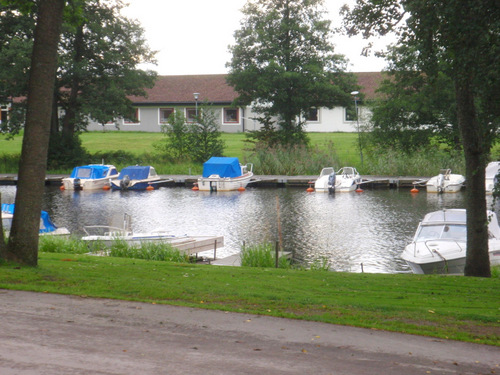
x=440 y=243
x=445 y=182
x=326 y=181
x=47 y=227
x=89 y=177
x=106 y=235
x=492 y=171
x=225 y=174
x=344 y=180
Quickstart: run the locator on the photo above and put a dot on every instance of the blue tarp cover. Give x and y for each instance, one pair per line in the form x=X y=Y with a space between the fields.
x=46 y=225
x=223 y=166
x=90 y=171
x=135 y=172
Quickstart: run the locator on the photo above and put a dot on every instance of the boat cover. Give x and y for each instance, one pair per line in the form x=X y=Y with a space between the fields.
x=90 y=171
x=492 y=169
x=136 y=172
x=46 y=225
x=223 y=166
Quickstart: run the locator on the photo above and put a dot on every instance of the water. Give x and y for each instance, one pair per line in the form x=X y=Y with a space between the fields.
x=347 y=229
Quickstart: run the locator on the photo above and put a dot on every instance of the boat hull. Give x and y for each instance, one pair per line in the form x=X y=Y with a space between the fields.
x=216 y=183
x=452 y=183
x=139 y=184
x=90 y=184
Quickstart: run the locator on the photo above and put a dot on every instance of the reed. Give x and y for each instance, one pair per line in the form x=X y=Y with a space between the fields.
x=148 y=251
x=57 y=244
x=262 y=255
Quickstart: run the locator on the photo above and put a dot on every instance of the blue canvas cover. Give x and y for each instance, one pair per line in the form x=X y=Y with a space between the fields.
x=223 y=166
x=90 y=171
x=135 y=172
x=46 y=225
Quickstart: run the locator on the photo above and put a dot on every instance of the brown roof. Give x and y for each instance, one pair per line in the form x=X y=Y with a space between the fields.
x=180 y=89
x=213 y=88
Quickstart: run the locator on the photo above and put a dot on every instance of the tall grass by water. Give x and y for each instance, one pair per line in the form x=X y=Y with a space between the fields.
x=262 y=255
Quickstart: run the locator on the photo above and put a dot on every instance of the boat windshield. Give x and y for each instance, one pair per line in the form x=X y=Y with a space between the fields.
x=442 y=231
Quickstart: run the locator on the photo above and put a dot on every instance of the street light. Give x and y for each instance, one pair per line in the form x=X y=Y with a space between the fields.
x=355 y=95
x=196 y=96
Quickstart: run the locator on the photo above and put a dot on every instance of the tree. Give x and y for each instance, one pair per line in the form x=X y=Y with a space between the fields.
x=205 y=137
x=462 y=37
x=24 y=234
x=283 y=63
x=99 y=53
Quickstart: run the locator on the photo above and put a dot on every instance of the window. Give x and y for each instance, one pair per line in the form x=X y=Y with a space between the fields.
x=191 y=114
x=313 y=115
x=231 y=116
x=135 y=120
x=350 y=114
x=165 y=114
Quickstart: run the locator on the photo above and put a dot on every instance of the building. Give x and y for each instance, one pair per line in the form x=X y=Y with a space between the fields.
x=188 y=92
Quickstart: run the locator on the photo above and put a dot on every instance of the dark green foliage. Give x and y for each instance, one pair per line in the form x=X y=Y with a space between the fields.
x=205 y=137
x=283 y=63
x=176 y=144
x=66 y=153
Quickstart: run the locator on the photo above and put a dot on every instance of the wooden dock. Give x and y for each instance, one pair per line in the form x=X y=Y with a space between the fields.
x=258 y=180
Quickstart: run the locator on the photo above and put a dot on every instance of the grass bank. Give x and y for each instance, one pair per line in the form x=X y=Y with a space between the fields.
x=447 y=307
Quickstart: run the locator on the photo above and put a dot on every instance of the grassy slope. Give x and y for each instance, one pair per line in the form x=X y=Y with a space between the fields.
x=442 y=306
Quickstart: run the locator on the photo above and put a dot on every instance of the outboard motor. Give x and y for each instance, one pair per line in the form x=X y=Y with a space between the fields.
x=331 y=183
x=77 y=184
x=125 y=182
x=440 y=183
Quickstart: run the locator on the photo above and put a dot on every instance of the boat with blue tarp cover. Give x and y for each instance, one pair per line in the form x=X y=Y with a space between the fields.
x=46 y=224
x=90 y=177
x=225 y=174
x=138 y=177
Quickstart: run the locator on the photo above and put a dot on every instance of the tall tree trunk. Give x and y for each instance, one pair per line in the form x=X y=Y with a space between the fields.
x=24 y=234
x=477 y=261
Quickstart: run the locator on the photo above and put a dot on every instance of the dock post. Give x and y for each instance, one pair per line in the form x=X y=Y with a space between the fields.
x=277 y=253
x=215 y=249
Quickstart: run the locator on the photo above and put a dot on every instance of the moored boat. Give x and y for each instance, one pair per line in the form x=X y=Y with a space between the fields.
x=46 y=225
x=138 y=178
x=445 y=182
x=491 y=176
x=225 y=174
x=440 y=243
x=90 y=177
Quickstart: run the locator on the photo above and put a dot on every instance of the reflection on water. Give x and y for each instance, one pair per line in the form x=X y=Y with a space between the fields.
x=347 y=229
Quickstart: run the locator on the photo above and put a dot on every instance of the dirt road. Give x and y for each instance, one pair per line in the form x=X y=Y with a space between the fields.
x=49 y=334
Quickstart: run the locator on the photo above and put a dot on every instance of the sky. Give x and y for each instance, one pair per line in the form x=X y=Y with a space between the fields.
x=192 y=36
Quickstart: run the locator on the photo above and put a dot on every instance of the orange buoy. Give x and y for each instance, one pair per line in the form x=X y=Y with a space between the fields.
x=195 y=187
x=61 y=187
x=150 y=187
x=241 y=188
x=106 y=187
x=359 y=190
x=414 y=190
x=310 y=189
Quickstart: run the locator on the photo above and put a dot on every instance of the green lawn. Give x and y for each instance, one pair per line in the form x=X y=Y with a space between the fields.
x=454 y=307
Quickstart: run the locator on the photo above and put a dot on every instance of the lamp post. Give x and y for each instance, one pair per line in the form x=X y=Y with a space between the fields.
x=355 y=95
x=196 y=96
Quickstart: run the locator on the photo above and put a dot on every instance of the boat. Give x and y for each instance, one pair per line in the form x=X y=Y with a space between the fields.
x=138 y=178
x=89 y=177
x=326 y=181
x=445 y=182
x=105 y=236
x=225 y=174
x=344 y=180
x=440 y=243
x=492 y=176
x=46 y=225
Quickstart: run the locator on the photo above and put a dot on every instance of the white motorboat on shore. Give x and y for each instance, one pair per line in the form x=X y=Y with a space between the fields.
x=47 y=227
x=491 y=173
x=346 y=179
x=440 y=243
x=105 y=236
x=444 y=182
x=224 y=174
x=89 y=177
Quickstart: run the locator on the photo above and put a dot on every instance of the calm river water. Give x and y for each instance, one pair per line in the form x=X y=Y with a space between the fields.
x=347 y=229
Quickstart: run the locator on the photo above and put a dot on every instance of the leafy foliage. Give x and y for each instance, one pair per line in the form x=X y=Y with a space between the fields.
x=283 y=63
